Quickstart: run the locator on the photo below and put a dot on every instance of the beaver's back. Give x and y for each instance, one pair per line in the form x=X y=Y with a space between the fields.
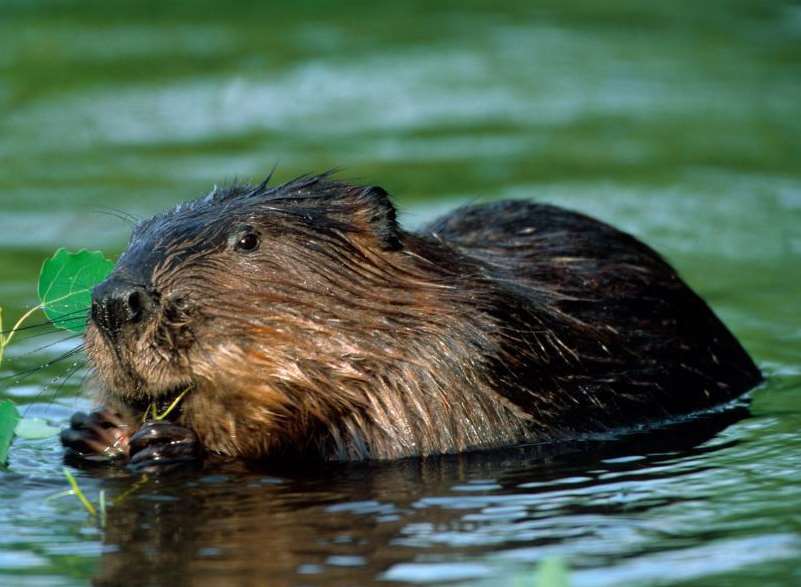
x=625 y=338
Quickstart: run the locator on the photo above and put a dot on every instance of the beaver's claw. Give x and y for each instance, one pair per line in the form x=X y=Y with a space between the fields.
x=99 y=437
x=103 y=437
x=160 y=445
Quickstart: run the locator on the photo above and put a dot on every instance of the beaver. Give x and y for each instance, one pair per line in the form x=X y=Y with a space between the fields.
x=300 y=320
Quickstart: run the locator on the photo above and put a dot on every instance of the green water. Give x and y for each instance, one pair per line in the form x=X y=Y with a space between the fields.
x=678 y=121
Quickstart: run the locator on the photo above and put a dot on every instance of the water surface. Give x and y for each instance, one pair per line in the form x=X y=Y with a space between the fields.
x=678 y=122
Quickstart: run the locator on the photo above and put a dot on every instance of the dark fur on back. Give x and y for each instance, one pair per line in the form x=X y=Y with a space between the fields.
x=346 y=337
x=623 y=337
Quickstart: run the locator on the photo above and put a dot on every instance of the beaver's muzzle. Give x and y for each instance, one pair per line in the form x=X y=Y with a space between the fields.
x=117 y=302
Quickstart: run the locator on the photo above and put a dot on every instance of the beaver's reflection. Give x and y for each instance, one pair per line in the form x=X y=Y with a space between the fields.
x=346 y=525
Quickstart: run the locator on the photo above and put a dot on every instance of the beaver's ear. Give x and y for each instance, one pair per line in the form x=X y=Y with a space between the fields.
x=372 y=210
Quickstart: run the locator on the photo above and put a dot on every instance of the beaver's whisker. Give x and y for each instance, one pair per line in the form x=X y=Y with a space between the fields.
x=54 y=343
x=69 y=316
x=23 y=375
x=64 y=380
x=118 y=214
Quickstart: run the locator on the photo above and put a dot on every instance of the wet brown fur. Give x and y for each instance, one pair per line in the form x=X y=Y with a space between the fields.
x=346 y=337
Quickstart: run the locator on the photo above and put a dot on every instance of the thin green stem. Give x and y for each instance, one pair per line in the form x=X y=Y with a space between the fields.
x=79 y=494
x=131 y=490
x=171 y=407
x=24 y=317
x=103 y=511
x=151 y=413
x=5 y=340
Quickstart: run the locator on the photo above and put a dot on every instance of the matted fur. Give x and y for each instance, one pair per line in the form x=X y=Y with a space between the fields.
x=346 y=337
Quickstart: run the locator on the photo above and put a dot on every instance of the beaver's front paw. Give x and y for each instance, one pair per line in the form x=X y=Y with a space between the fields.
x=100 y=437
x=160 y=445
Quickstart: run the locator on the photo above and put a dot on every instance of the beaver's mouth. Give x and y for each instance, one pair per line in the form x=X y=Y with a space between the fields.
x=166 y=405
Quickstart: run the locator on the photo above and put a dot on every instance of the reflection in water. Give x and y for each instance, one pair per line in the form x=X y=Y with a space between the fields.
x=355 y=524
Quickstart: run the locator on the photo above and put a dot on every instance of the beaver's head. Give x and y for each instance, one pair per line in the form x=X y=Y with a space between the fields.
x=268 y=304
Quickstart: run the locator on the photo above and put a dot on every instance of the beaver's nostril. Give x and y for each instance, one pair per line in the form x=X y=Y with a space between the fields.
x=116 y=303
x=135 y=306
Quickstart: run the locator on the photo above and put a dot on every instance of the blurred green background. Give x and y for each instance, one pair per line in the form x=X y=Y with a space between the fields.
x=678 y=121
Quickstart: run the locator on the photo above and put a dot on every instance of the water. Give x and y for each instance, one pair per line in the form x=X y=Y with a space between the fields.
x=676 y=121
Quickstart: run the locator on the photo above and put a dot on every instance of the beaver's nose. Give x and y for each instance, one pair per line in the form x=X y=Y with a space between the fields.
x=116 y=302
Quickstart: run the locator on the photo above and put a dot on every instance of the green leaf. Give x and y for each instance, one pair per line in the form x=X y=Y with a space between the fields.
x=9 y=416
x=65 y=286
x=34 y=429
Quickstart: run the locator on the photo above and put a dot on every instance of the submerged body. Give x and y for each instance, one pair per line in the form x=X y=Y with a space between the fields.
x=303 y=320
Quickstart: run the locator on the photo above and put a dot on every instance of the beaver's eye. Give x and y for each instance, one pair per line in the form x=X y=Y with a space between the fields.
x=248 y=242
